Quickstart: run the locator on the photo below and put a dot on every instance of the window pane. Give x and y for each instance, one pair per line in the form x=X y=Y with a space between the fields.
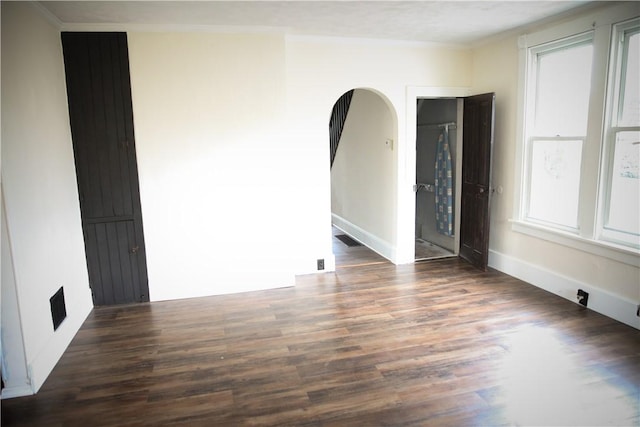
x=562 y=91
x=630 y=89
x=624 y=196
x=555 y=181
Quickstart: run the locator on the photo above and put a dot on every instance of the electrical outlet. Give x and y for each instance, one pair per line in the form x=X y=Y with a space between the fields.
x=583 y=297
x=320 y=264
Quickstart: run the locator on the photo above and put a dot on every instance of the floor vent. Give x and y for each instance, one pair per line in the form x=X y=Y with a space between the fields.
x=58 y=309
x=347 y=240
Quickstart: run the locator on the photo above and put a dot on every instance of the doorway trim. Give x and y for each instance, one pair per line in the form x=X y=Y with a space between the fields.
x=407 y=167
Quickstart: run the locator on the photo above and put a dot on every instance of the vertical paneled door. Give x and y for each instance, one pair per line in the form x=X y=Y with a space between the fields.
x=100 y=112
x=477 y=146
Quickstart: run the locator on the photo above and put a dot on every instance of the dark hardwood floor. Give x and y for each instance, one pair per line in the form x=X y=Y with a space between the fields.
x=435 y=343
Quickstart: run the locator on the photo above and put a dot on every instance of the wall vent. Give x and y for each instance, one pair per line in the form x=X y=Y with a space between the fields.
x=58 y=309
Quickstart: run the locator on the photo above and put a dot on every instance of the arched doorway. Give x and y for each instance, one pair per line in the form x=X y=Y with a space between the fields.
x=364 y=178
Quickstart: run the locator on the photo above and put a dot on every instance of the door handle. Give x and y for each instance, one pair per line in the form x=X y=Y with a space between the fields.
x=481 y=190
x=134 y=249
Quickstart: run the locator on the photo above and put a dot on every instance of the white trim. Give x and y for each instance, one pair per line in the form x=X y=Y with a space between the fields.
x=598 y=18
x=519 y=179
x=50 y=17
x=612 y=251
x=245 y=29
x=376 y=244
x=458 y=178
x=614 y=306
x=18 y=391
x=537 y=25
x=406 y=202
x=363 y=41
x=172 y=28
x=590 y=178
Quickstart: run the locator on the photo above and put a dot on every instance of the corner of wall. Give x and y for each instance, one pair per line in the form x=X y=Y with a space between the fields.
x=43 y=363
x=43 y=221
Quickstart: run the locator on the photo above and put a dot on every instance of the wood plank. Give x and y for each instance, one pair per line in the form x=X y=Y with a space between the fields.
x=436 y=343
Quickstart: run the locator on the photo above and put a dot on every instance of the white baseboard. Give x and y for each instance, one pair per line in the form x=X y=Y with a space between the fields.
x=18 y=391
x=615 y=306
x=376 y=244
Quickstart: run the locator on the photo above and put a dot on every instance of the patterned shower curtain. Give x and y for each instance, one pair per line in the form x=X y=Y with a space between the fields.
x=444 y=185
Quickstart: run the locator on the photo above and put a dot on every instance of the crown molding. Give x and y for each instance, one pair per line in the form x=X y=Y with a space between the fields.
x=50 y=17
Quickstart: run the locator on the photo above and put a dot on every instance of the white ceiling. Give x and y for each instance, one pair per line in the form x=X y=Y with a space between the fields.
x=443 y=21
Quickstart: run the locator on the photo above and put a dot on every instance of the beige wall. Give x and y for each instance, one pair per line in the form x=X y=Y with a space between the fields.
x=495 y=68
x=213 y=165
x=232 y=144
x=319 y=71
x=39 y=185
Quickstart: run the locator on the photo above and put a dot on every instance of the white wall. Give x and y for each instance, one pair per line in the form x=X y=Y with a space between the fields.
x=215 y=171
x=549 y=265
x=14 y=363
x=232 y=145
x=38 y=178
x=364 y=173
x=319 y=71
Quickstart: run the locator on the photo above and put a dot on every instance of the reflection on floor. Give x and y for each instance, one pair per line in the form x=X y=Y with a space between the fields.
x=353 y=256
x=427 y=250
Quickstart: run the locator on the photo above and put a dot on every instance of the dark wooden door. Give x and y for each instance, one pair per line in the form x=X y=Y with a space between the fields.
x=99 y=94
x=477 y=144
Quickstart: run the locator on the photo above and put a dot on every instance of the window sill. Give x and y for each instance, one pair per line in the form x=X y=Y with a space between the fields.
x=605 y=249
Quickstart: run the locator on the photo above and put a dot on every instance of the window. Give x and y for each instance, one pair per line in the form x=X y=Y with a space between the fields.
x=579 y=163
x=621 y=194
x=559 y=90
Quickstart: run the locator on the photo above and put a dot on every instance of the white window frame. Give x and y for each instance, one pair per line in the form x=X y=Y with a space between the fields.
x=530 y=137
x=612 y=127
x=587 y=237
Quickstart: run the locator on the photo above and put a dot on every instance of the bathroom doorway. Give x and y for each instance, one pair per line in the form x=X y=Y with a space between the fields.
x=437 y=187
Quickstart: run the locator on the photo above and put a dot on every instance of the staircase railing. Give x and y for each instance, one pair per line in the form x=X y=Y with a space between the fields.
x=336 y=123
